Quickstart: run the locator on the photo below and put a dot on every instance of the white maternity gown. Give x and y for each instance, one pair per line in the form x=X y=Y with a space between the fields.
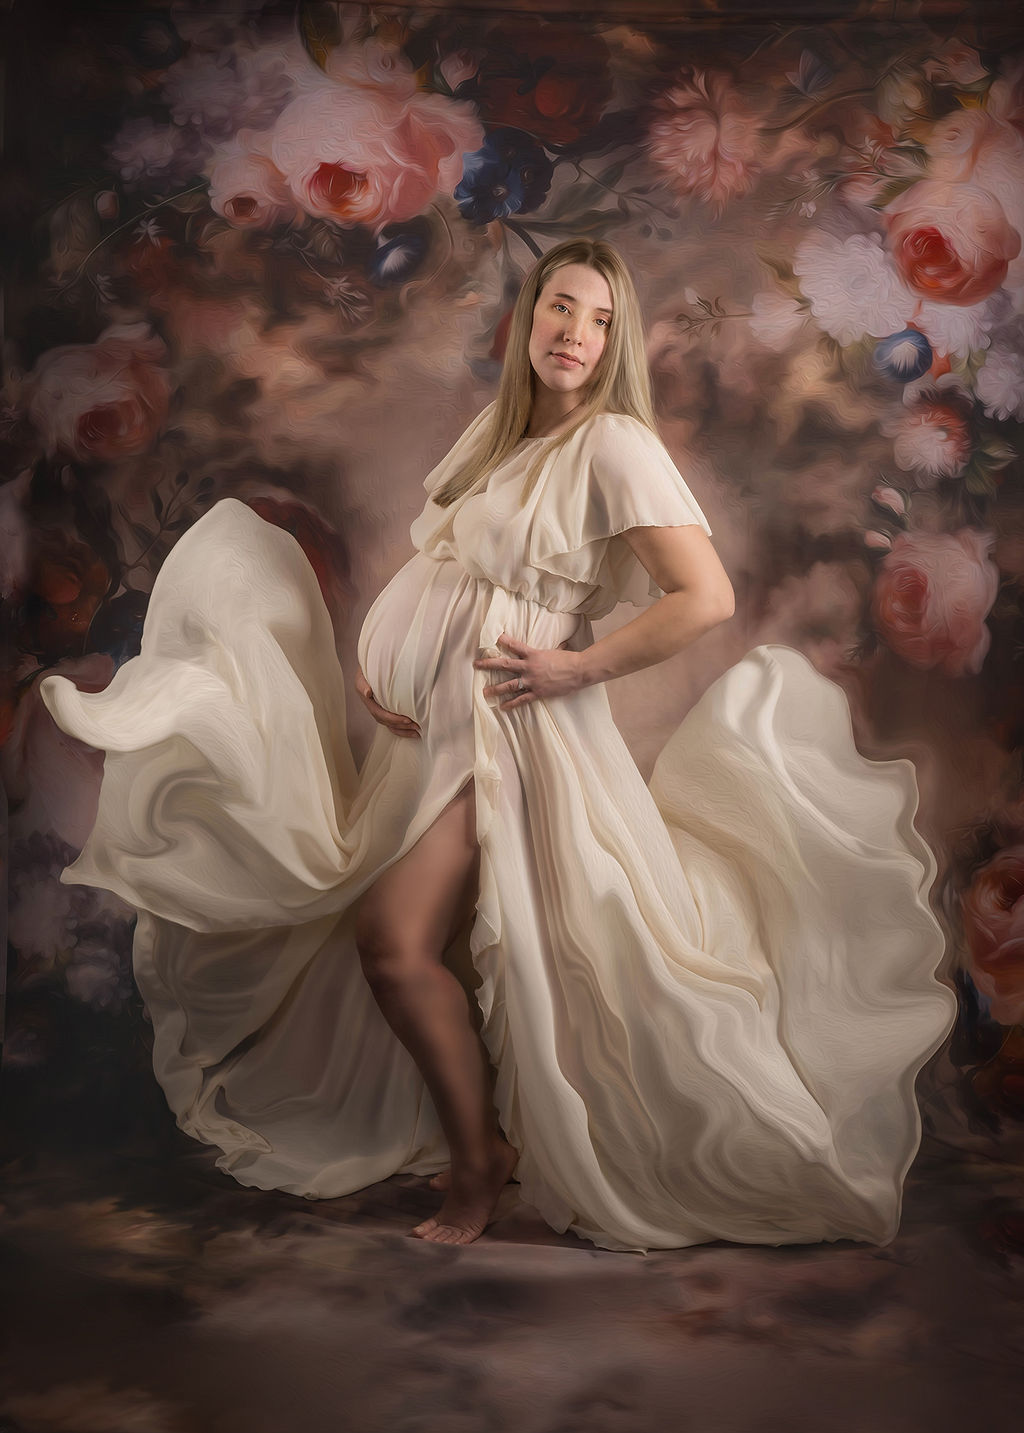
x=706 y=1000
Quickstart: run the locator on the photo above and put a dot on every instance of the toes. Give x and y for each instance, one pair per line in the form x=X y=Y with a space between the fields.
x=450 y=1234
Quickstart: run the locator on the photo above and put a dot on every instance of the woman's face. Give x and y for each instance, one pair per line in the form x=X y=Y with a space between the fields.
x=571 y=319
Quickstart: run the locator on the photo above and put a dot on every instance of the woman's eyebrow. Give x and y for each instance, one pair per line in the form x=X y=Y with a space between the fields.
x=574 y=300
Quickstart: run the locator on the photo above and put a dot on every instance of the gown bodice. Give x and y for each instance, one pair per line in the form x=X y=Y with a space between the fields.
x=558 y=542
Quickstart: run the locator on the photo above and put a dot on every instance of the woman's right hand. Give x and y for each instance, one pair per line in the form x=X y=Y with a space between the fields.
x=394 y=721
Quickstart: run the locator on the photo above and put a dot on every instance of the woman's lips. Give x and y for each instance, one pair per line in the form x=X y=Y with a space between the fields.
x=567 y=361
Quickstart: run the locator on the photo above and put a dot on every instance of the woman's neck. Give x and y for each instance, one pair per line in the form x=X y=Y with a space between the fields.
x=548 y=422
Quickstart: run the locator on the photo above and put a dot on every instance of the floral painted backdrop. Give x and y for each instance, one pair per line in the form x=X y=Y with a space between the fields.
x=269 y=251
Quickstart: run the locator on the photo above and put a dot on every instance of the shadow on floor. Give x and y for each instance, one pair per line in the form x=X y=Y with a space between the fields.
x=144 y=1292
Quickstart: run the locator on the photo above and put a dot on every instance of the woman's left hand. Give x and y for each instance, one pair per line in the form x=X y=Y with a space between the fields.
x=539 y=672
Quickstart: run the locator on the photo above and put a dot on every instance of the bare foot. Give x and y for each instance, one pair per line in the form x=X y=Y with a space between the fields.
x=471 y=1201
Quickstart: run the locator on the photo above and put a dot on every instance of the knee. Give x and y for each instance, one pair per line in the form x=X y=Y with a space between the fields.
x=386 y=958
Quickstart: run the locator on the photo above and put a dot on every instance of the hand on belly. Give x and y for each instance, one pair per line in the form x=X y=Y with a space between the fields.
x=394 y=721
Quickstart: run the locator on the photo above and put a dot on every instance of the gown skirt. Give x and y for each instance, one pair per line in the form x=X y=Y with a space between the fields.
x=705 y=999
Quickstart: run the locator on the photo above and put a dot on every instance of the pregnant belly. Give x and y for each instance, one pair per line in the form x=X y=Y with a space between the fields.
x=420 y=628
x=420 y=637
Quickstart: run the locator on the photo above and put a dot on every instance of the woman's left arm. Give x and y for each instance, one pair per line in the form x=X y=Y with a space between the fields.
x=697 y=596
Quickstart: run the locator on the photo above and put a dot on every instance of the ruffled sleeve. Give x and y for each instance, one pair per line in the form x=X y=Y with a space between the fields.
x=620 y=477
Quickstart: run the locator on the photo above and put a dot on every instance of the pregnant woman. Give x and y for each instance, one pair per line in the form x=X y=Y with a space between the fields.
x=700 y=1004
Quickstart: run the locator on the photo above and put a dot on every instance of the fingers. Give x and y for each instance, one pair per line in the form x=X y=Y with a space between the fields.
x=501 y=664
x=406 y=728
x=504 y=688
x=398 y=725
x=394 y=721
x=511 y=694
x=513 y=644
x=518 y=700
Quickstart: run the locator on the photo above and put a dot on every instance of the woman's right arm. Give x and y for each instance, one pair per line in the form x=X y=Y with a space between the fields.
x=394 y=721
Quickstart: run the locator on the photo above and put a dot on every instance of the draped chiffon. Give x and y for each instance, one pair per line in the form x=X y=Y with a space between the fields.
x=705 y=999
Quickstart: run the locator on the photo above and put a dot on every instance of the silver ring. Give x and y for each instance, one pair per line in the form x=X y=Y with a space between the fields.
x=521 y=686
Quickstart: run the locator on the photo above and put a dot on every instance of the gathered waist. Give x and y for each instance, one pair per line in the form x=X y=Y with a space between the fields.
x=520 y=592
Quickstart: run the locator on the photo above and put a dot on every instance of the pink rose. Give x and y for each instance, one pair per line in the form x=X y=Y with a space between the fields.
x=105 y=400
x=993 y=911
x=247 y=188
x=979 y=148
x=960 y=141
x=932 y=596
x=362 y=157
x=952 y=242
x=374 y=64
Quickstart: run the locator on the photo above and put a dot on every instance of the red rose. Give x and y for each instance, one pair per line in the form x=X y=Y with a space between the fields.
x=993 y=913
x=551 y=80
x=952 y=242
x=104 y=400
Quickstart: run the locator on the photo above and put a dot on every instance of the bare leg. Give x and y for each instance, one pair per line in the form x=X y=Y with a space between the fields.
x=403 y=924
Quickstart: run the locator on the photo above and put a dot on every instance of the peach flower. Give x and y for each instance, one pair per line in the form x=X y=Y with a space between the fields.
x=932 y=596
x=247 y=188
x=931 y=439
x=952 y=242
x=105 y=400
x=363 y=157
x=706 y=139
x=993 y=911
x=955 y=64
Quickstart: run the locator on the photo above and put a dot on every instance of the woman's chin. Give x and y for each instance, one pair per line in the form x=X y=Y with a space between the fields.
x=563 y=380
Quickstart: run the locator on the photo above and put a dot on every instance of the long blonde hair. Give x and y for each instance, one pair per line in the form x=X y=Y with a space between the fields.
x=621 y=384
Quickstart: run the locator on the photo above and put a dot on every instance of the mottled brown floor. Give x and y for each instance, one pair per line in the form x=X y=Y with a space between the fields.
x=143 y=1292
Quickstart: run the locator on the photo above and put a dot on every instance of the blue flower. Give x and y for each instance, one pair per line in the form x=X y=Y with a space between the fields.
x=117 y=626
x=399 y=254
x=904 y=356
x=511 y=174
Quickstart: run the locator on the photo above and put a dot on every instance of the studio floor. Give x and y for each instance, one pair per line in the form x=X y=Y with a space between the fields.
x=144 y=1292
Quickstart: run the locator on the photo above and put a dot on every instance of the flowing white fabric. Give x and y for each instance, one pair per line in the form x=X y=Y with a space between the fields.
x=706 y=999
